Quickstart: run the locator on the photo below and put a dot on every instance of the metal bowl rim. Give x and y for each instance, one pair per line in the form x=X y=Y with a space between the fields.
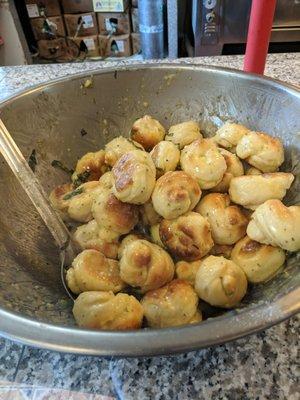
x=294 y=89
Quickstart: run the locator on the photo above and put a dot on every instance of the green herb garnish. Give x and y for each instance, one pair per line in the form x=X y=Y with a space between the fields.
x=75 y=192
x=81 y=178
x=32 y=162
x=60 y=165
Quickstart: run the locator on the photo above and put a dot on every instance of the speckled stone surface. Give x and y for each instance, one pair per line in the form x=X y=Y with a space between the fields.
x=285 y=67
x=261 y=366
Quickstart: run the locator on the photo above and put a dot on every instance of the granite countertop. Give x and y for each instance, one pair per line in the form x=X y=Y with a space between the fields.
x=261 y=366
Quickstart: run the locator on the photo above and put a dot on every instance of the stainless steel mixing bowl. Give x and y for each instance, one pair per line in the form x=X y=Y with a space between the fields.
x=64 y=119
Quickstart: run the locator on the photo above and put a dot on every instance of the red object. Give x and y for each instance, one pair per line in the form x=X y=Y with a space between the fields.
x=259 y=32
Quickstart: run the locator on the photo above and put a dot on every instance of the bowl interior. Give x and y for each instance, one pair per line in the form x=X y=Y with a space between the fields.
x=65 y=119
